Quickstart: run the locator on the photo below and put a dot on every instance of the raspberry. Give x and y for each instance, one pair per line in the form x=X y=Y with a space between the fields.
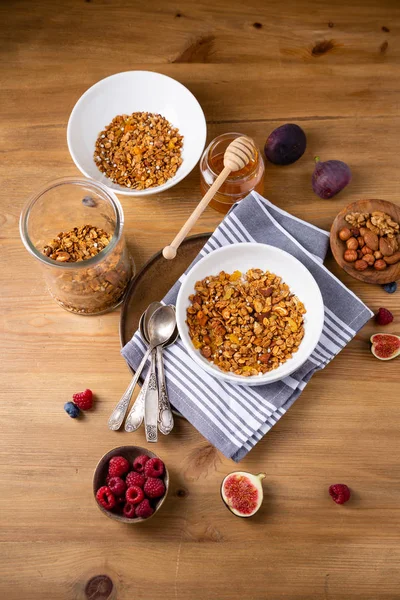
x=390 y=288
x=72 y=410
x=139 y=463
x=134 y=494
x=383 y=316
x=134 y=478
x=118 y=466
x=117 y=485
x=84 y=399
x=340 y=493
x=129 y=510
x=154 y=468
x=154 y=488
x=144 y=509
x=105 y=497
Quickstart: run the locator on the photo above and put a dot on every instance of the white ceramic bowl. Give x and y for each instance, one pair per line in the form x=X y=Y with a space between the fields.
x=125 y=93
x=243 y=257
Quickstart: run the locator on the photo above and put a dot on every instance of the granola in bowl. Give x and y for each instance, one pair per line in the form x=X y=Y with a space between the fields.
x=247 y=324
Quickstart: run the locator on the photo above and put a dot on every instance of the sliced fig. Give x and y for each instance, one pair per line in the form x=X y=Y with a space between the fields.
x=243 y=493
x=385 y=346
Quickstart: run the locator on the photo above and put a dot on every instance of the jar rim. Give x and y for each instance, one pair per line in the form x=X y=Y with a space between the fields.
x=220 y=138
x=84 y=264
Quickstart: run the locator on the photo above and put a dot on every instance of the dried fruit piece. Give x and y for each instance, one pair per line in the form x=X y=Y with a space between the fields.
x=385 y=346
x=383 y=316
x=242 y=493
x=339 y=493
x=285 y=144
x=330 y=177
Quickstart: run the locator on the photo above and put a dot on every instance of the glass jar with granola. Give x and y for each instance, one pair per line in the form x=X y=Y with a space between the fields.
x=74 y=228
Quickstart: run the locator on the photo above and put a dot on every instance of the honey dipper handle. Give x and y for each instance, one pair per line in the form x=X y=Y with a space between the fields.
x=169 y=252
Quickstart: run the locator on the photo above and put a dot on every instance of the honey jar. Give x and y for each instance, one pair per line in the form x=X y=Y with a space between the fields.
x=239 y=183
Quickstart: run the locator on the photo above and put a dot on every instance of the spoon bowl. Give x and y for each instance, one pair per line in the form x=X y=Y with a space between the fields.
x=161 y=326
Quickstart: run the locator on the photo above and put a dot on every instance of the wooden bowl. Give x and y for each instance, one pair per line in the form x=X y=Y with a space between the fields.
x=100 y=474
x=338 y=247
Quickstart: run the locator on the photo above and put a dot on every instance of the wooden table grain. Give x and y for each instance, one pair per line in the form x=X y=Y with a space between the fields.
x=333 y=68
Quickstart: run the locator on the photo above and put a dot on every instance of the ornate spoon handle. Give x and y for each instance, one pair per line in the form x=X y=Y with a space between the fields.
x=151 y=403
x=119 y=412
x=165 y=417
x=135 y=417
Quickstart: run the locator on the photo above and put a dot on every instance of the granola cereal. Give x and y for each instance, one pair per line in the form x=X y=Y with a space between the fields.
x=139 y=151
x=81 y=243
x=245 y=324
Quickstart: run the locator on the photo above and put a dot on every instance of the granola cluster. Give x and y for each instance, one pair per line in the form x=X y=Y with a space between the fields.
x=378 y=222
x=139 y=151
x=246 y=324
x=81 y=243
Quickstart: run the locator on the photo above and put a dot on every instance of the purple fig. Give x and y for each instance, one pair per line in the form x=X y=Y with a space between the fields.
x=330 y=177
x=285 y=144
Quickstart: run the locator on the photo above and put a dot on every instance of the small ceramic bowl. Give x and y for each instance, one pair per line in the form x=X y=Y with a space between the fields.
x=101 y=471
x=125 y=93
x=243 y=257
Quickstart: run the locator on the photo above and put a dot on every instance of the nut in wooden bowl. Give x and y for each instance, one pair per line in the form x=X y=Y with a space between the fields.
x=101 y=472
x=365 y=241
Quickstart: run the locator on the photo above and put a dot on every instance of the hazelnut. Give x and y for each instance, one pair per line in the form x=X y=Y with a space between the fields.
x=361 y=265
x=378 y=254
x=355 y=231
x=366 y=250
x=361 y=241
x=379 y=265
x=352 y=243
x=344 y=234
x=369 y=258
x=350 y=255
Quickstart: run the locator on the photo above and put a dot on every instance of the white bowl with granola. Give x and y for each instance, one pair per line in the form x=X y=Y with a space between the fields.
x=249 y=313
x=137 y=132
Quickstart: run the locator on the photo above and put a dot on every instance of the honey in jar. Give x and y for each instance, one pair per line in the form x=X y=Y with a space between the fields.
x=239 y=183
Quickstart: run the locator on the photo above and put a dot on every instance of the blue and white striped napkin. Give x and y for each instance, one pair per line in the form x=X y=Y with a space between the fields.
x=234 y=418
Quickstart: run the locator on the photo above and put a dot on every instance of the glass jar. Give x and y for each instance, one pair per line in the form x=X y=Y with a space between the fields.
x=239 y=183
x=93 y=285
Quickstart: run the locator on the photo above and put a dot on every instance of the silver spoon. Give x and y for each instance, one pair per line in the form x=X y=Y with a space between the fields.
x=165 y=420
x=160 y=328
x=135 y=417
x=165 y=327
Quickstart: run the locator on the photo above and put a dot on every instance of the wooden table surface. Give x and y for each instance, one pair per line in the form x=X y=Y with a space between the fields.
x=331 y=67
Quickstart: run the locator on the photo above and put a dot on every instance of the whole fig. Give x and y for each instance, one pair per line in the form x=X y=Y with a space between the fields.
x=330 y=177
x=285 y=144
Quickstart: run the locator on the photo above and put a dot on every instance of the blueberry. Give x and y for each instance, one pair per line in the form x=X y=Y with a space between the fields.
x=72 y=410
x=390 y=288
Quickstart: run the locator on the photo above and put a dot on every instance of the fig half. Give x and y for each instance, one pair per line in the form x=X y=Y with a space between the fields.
x=385 y=346
x=243 y=493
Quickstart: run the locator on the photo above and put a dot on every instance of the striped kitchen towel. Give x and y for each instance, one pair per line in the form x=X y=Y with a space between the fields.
x=234 y=418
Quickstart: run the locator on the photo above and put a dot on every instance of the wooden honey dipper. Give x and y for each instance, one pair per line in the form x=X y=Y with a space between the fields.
x=237 y=155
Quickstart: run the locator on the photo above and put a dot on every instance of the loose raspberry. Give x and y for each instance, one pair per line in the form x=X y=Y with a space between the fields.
x=134 y=478
x=105 y=497
x=144 y=509
x=117 y=486
x=129 y=510
x=134 y=494
x=118 y=466
x=139 y=463
x=72 y=410
x=154 y=468
x=154 y=488
x=383 y=316
x=340 y=493
x=84 y=399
